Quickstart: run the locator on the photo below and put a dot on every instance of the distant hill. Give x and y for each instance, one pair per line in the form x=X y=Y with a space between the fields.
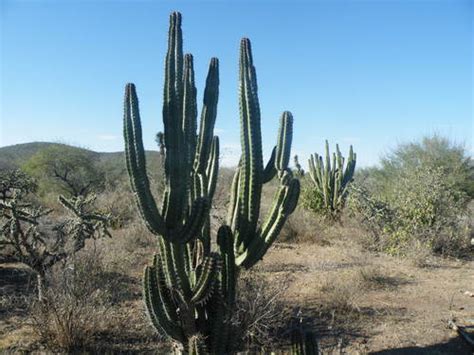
x=13 y=156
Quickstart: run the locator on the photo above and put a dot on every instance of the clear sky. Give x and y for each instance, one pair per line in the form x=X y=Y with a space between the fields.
x=367 y=73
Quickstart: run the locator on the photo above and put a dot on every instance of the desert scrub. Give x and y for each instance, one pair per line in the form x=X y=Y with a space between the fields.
x=421 y=207
x=261 y=316
x=75 y=305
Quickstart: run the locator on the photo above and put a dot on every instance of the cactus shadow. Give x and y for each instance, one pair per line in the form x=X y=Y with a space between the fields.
x=337 y=328
x=452 y=346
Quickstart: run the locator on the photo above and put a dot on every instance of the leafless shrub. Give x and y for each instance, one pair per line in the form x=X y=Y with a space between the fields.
x=302 y=227
x=340 y=296
x=119 y=204
x=260 y=314
x=75 y=307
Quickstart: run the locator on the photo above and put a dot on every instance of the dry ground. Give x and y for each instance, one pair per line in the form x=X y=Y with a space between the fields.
x=364 y=303
x=357 y=301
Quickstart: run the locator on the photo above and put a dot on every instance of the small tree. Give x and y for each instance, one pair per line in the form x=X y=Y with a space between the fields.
x=432 y=152
x=25 y=236
x=74 y=170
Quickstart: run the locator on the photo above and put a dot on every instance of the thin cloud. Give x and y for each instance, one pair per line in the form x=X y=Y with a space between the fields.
x=107 y=137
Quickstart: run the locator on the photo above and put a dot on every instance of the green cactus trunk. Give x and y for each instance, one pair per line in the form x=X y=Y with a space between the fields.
x=190 y=290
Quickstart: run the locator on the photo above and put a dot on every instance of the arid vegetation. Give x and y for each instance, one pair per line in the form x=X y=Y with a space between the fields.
x=338 y=279
x=374 y=260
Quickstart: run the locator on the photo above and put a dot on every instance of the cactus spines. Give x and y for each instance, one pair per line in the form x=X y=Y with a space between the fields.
x=190 y=289
x=331 y=180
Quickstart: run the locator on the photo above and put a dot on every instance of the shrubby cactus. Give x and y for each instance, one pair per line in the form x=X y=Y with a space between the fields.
x=329 y=182
x=26 y=238
x=190 y=289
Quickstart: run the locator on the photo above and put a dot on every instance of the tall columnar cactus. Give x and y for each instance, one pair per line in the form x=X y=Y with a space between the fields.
x=331 y=181
x=190 y=289
x=251 y=240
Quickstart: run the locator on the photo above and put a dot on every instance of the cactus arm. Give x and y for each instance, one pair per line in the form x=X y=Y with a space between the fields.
x=155 y=306
x=285 y=203
x=233 y=214
x=165 y=294
x=312 y=169
x=208 y=117
x=218 y=330
x=169 y=271
x=285 y=136
x=270 y=171
x=212 y=169
x=252 y=165
x=206 y=280
x=225 y=242
x=224 y=295
x=190 y=111
x=176 y=183
x=136 y=164
x=195 y=221
x=182 y=278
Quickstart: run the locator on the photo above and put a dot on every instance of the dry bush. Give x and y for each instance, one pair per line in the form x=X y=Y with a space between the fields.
x=129 y=250
x=372 y=277
x=340 y=296
x=306 y=227
x=419 y=254
x=261 y=315
x=76 y=305
x=301 y=227
x=119 y=203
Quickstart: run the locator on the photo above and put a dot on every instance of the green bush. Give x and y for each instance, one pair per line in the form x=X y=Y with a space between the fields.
x=419 y=195
x=72 y=171
x=434 y=152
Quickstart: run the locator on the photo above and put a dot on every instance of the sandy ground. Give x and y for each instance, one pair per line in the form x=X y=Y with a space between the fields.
x=401 y=309
x=357 y=302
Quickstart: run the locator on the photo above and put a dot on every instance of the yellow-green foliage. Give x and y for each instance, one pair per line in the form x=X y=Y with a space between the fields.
x=64 y=169
x=420 y=201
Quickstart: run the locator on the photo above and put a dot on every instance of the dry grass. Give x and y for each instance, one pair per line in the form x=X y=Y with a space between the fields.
x=76 y=305
x=261 y=315
x=341 y=296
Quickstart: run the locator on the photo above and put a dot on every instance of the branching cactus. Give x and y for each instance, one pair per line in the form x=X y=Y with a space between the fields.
x=251 y=239
x=190 y=289
x=330 y=181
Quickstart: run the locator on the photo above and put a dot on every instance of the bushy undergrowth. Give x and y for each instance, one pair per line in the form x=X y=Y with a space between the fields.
x=76 y=303
x=260 y=314
x=419 y=203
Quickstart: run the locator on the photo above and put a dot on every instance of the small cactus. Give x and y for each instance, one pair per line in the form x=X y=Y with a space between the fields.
x=299 y=171
x=330 y=182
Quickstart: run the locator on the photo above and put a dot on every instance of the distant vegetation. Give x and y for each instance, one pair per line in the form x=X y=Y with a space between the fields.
x=418 y=197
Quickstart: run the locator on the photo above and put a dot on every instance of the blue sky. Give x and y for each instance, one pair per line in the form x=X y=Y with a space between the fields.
x=367 y=73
